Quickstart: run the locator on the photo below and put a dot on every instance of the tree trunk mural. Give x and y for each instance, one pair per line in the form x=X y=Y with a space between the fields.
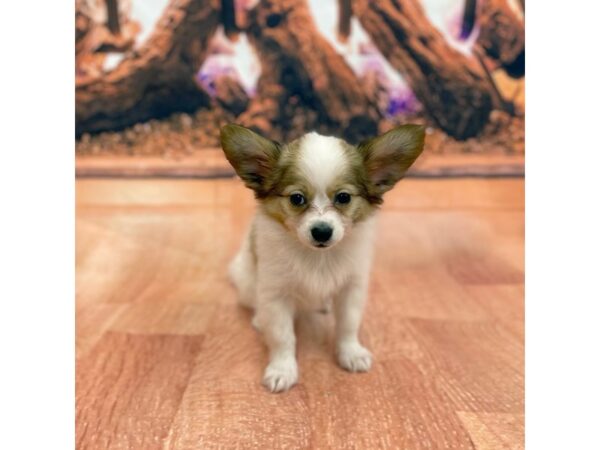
x=502 y=36
x=156 y=80
x=451 y=85
x=305 y=84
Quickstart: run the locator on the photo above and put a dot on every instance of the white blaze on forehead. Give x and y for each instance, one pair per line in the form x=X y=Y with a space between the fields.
x=322 y=160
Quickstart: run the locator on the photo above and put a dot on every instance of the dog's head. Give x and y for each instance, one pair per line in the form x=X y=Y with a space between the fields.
x=317 y=186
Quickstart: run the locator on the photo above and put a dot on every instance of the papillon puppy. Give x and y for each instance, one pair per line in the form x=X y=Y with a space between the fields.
x=310 y=243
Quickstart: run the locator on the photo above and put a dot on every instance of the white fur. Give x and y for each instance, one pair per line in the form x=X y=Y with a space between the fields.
x=279 y=275
x=321 y=161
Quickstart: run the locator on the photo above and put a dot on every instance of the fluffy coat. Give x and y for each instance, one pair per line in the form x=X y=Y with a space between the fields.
x=311 y=241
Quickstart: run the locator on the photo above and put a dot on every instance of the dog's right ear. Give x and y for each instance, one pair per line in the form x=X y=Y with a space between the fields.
x=252 y=156
x=388 y=157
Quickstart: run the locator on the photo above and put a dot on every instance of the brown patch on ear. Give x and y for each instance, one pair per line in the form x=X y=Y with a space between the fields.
x=388 y=157
x=252 y=156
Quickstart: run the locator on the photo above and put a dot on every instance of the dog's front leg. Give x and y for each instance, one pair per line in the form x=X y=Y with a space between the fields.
x=348 y=306
x=275 y=319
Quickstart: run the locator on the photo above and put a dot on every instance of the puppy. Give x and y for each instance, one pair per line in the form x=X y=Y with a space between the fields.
x=311 y=240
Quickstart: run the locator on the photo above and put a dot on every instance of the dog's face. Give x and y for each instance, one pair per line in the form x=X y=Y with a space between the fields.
x=319 y=187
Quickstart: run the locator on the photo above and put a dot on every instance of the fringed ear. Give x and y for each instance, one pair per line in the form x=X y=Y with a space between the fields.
x=252 y=156
x=388 y=157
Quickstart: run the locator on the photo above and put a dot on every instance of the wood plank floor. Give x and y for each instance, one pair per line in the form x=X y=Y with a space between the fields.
x=167 y=360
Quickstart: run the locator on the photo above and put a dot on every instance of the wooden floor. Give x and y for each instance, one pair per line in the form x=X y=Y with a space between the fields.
x=166 y=359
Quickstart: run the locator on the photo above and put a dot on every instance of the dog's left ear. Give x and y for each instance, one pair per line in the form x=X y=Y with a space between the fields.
x=388 y=157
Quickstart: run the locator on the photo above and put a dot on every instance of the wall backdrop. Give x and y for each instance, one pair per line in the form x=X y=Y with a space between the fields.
x=157 y=78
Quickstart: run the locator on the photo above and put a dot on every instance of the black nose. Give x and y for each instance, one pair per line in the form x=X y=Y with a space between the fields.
x=321 y=232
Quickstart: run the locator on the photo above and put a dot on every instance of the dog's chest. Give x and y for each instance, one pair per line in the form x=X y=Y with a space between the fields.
x=319 y=279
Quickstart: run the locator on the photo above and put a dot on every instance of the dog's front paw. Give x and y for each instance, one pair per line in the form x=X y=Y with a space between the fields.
x=280 y=375
x=354 y=357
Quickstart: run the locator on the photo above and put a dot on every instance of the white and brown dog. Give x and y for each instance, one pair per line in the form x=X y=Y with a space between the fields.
x=311 y=240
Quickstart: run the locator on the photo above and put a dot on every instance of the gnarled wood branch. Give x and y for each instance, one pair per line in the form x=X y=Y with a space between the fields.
x=450 y=84
x=156 y=80
x=305 y=84
x=502 y=35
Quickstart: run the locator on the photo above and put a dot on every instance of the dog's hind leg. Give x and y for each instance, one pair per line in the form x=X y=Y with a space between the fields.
x=242 y=271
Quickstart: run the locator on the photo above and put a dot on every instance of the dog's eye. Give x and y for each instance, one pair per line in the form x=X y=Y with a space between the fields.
x=343 y=198
x=297 y=199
